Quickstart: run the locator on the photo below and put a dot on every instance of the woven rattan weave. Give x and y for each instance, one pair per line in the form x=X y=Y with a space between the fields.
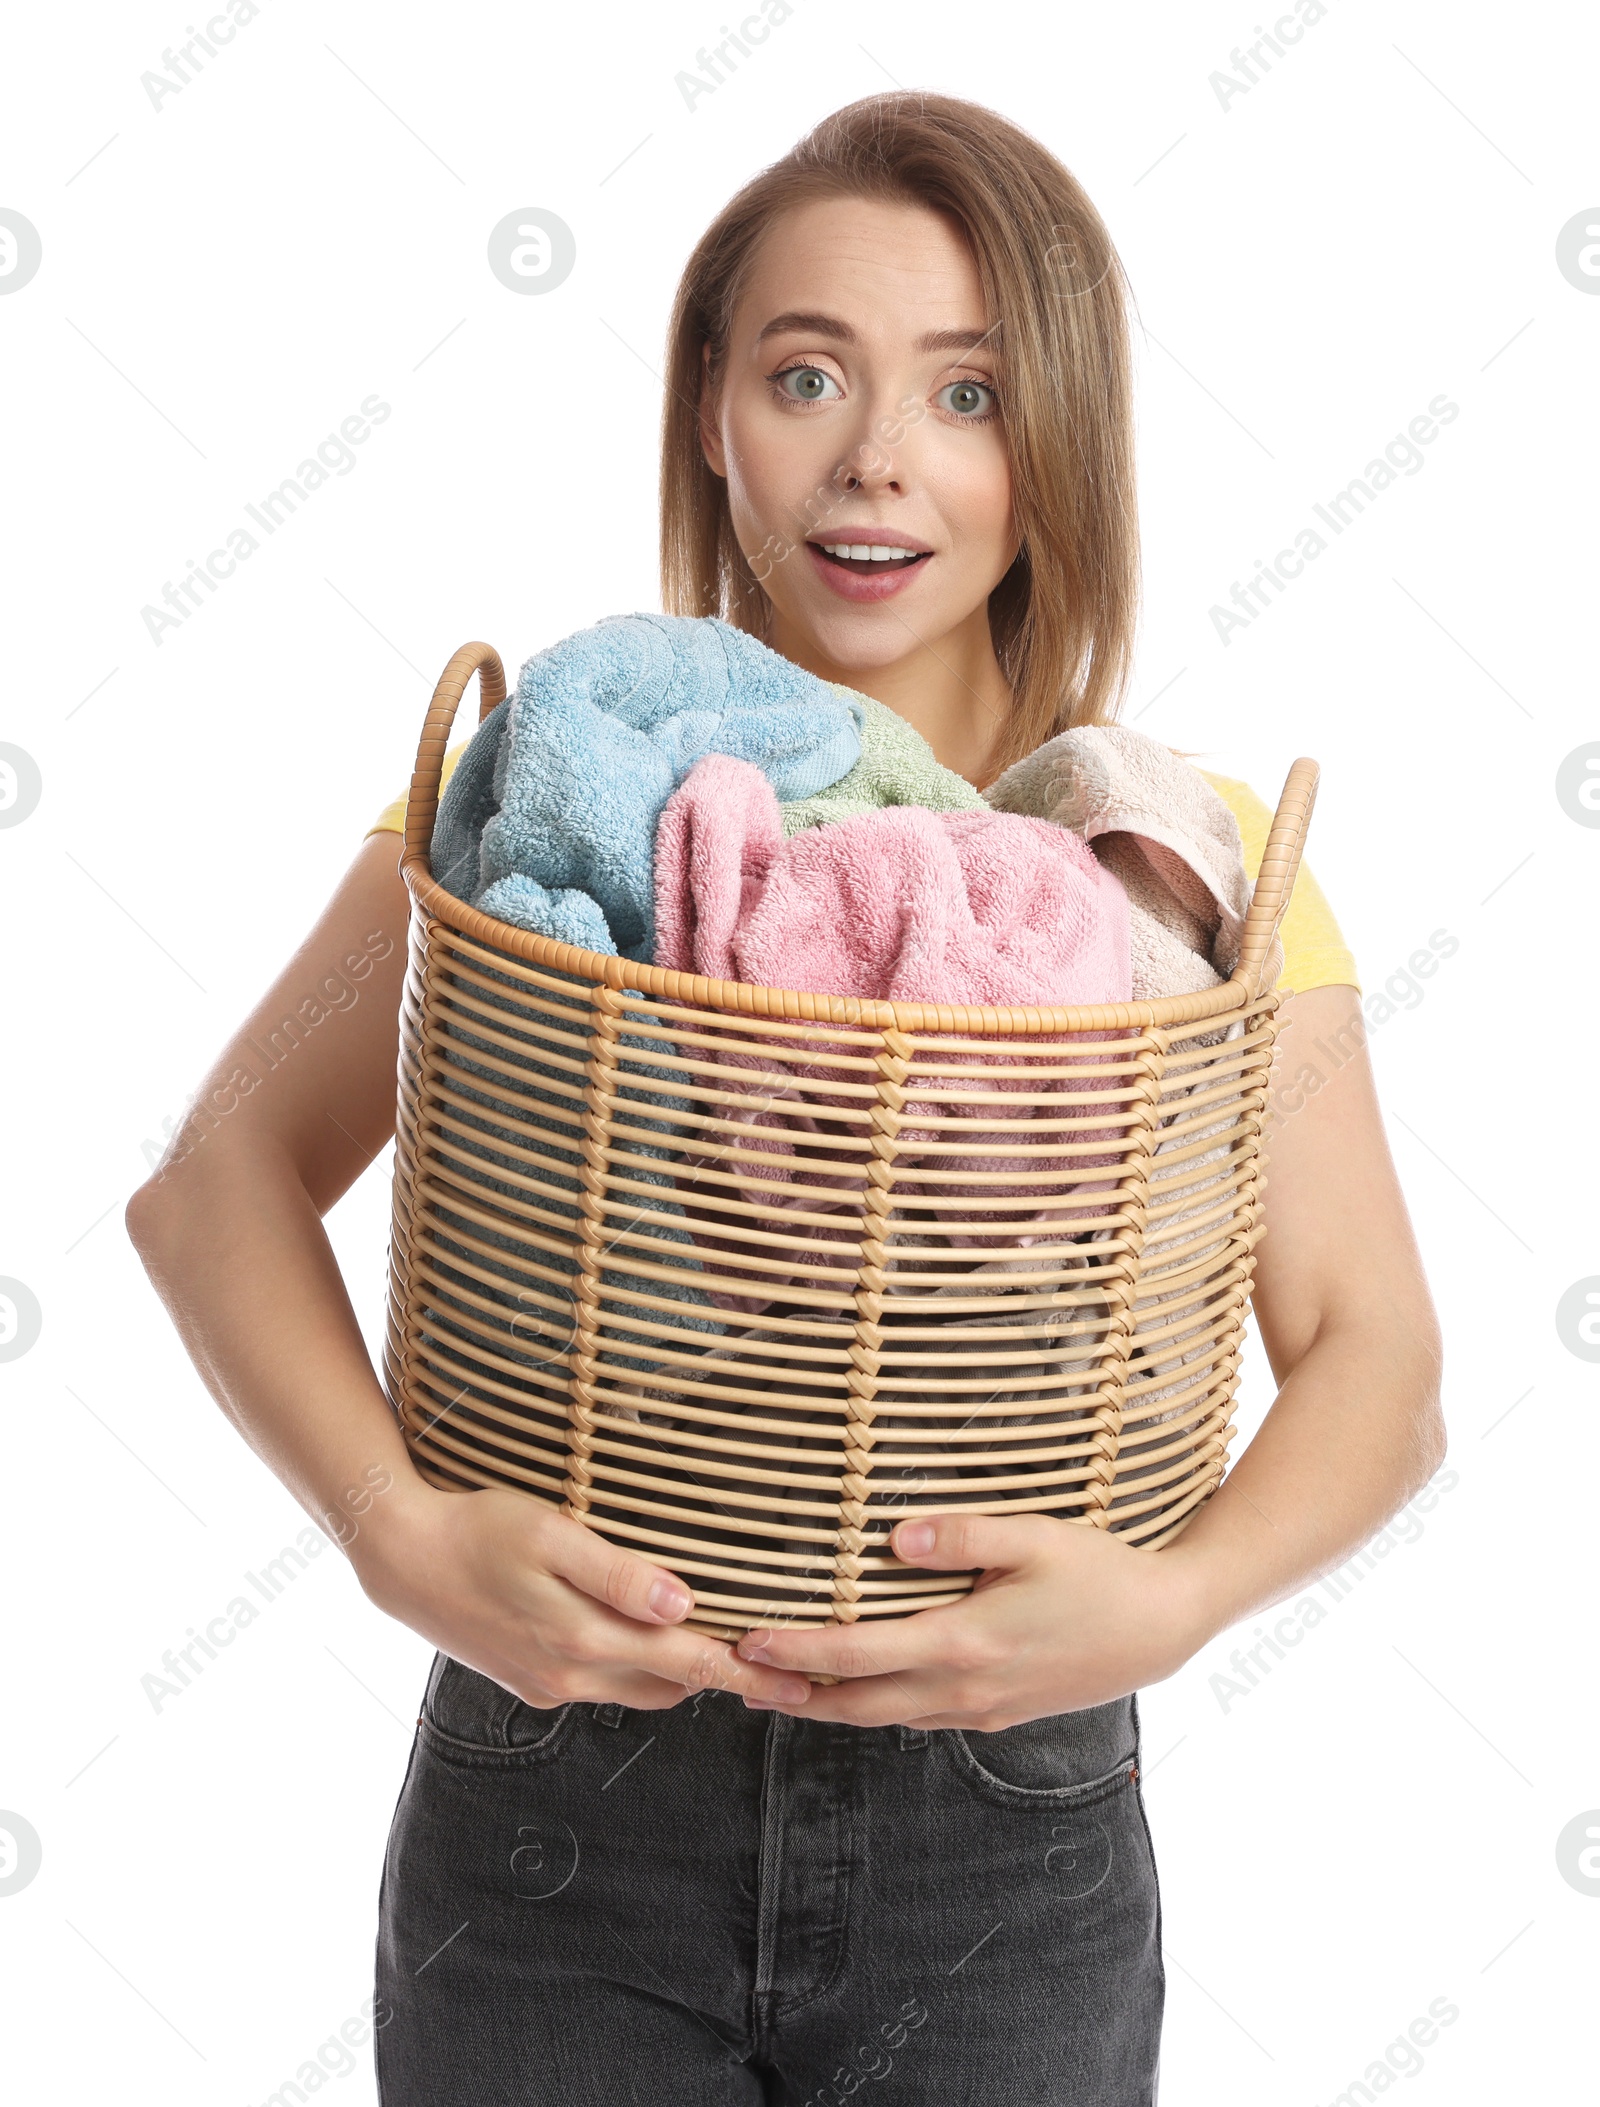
x=740 y=1276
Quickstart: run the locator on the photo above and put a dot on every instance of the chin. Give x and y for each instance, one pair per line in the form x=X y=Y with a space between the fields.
x=868 y=637
x=865 y=635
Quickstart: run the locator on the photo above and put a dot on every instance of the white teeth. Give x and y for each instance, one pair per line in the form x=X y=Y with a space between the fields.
x=866 y=552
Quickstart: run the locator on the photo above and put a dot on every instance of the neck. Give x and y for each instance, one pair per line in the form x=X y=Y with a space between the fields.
x=952 y=691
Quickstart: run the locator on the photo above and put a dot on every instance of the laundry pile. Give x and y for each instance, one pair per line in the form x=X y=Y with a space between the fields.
x=550 y=818
x=668 y=790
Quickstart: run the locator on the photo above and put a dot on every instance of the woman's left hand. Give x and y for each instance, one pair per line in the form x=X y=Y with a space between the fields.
x=1062 y=1616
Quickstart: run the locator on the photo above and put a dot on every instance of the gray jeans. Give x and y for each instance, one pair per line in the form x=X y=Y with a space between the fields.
x=707 y=1905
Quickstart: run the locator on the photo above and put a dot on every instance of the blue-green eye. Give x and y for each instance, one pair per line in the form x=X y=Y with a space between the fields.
x=811 y=384
x=968 y=398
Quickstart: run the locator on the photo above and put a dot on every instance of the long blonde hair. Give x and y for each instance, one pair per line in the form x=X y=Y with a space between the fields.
x=1063 y=616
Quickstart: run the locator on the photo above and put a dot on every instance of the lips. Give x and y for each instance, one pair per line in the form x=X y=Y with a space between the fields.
x=868 y=567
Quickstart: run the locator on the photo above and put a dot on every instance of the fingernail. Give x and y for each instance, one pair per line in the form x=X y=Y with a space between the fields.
x=667 y=1599
x=754 y=1653
x=757 y=1704
x=915 y=1538
x=794 y=1693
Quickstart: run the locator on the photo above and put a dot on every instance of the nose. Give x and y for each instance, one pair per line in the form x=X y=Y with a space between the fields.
x=869 y=467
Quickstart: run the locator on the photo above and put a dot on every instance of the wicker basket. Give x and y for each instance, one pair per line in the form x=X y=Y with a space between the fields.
x=736 y=1275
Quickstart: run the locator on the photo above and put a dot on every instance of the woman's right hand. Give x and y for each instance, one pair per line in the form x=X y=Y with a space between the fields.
x=507 y=1585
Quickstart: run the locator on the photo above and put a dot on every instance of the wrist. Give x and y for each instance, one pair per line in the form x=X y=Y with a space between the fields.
x=385 y=1537
x=1198 y=1598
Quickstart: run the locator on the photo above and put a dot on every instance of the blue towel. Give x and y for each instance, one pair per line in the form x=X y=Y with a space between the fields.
x=549 y=819
x=466 y=808
x=548 y=822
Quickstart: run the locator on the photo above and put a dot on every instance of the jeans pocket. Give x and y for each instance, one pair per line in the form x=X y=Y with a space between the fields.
x=1064 y=1759
x=470 y=1718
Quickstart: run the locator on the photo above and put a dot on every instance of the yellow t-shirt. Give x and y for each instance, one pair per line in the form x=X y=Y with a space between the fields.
x=1315 y=954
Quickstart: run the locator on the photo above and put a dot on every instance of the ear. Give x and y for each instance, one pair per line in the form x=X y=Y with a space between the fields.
x=710 y=431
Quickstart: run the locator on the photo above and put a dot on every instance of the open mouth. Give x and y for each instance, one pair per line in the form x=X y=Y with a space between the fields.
x=870 y=558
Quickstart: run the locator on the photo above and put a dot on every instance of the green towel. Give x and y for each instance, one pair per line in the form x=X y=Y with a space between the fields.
x=896 y=767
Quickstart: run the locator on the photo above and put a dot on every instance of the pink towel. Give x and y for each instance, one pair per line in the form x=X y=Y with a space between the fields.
x=901 y=905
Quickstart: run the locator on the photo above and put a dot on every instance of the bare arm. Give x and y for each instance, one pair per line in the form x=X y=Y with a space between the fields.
x=1344 y=1311
x=229 y=1227
x=1063 y=1617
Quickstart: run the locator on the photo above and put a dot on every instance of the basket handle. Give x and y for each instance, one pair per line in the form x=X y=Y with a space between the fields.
x=422 y=801
x=1280 y=863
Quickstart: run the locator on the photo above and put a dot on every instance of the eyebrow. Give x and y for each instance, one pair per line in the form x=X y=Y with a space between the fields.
x=797 y=321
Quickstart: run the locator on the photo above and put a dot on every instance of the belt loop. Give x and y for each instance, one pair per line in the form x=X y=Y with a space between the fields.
x=913 y=1737
x=609 y=1715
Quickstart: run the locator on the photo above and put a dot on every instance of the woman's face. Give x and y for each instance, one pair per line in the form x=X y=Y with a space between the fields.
x=859 y=411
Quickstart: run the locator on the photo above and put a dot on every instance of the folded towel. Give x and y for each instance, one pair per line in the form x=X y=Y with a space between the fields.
x=1154 y=820
x=897 y=767
x=899 y=905
x=559 y=791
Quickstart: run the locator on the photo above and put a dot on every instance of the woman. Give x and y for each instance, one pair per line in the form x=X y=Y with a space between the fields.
x=630 y=1862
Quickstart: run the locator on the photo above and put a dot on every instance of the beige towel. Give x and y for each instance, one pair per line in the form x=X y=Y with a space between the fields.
x=1151 y=817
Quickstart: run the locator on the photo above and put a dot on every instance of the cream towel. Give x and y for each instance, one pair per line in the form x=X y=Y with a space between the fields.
x=1152 y=818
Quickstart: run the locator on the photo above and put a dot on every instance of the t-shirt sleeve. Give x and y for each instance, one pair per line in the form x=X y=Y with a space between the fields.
x=392 y=819
x=1315 y=954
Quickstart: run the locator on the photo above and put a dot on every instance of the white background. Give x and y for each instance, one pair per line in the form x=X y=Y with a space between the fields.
x=1371 y=1827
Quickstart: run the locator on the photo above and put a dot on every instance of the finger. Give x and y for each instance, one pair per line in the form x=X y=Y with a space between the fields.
x=638 y=1691
x=960 y=1542
x=702 y=1663
x=635 y=1587
x=553 y=1678
x=873 y=1646
x=634 y=1688
x=627 y=1584
x=873 y=1701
